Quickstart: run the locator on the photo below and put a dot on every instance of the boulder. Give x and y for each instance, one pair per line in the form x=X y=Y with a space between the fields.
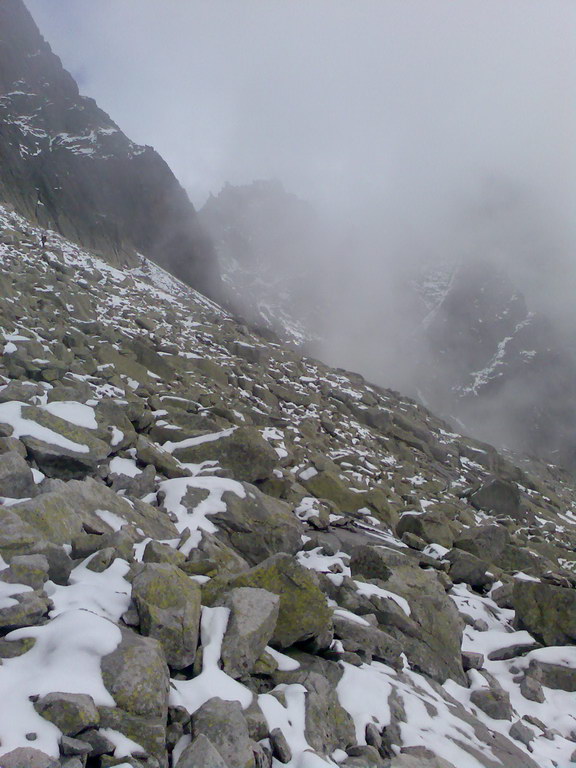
x=304 y=614
x=27 y=757
x=241 y=452
x=484 y=541
x=201 y=753
x=16 y=478
x=168 y=604
x=29 y=609
x=501 y=497
x=558 y=676
x=70 y=712
x=224 y=725
x=253 y=616
x=369 y=642
x=165 y=463
x=431 y=636
x=493 y=702
x=548 y=612
x=370 y=562
x=137 y=677
x=328 y=725
x=431 y=526
x=327 y=485
x=73 y=452
x=467 y=568
x=258 y=526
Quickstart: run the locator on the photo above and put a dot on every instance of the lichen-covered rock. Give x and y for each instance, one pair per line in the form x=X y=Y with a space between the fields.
x=224 y=725
x=137 y=677
x=16 y=478
x=242 y=453
x=328 y=725
x=369 y=641
x=28 y=757
x=76 y=454
x=432 y=635
x=29 y=609
x=70 y=712
x=431 y=526
x=546 y=611
x=148 y=453
x=304 y=613
x=258 y=526
x=485 y=541
x=466 y=567
x=370 y=562
x=253 y=616
x=501 y=497
x=494 y=702
x=168 y=604
x=327 y=485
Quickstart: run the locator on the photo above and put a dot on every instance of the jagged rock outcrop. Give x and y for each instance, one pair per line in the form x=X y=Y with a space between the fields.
x=66 y=165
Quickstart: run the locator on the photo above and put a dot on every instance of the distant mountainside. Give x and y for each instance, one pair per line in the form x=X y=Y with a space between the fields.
x=66 y=165
x=473 y=349
x=502 y=370
x=266 y=241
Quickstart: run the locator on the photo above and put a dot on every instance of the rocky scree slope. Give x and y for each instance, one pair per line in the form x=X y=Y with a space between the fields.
x=65 y=164
x=217 y=553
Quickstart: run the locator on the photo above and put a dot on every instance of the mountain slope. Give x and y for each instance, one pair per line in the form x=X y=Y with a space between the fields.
x=190 y=511
x=67 y=165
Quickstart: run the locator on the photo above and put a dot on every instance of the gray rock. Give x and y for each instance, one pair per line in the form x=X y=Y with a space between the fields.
x=31 y=570
x=467 y=568
x=521 y=733
x=494 y=702
x=304 y=613
x=70 y=712
x=201 y=753
x=223 y=723
x=531 y=689
x=546 y=611
x=430 y=526
x=501 y=497
x=558 y=676
x=16 y=478
x=168 y=604
x=253 y=616
x=243 y=454
x=165 y=463
x=258 y=525
x=27 y=757
x=71 y=747
x=328 y=725
x=486 y=541
x=29 y=610
x=471 y=660
x=370 y=642
x=370 y=562
x=136 y=675
x=280 y=747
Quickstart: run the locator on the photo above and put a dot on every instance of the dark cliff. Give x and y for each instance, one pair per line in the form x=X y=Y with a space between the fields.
x=67 y=165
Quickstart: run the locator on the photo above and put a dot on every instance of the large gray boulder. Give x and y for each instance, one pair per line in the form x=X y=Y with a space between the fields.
x=224 y=725
x=16 y=478
x=548 y=612
x=258 y=526
x=430 y=526
x=70 y=712
x=241 y=452
x=501 y=497
x=304 y=613
x=484 y=541
x=253 y=616
x=28 y=757
x=201 y=753
x=168 y=604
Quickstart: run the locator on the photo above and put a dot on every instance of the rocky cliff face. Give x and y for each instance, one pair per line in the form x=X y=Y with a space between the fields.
x=217 y=553
x=65 y=164
x=504 y=371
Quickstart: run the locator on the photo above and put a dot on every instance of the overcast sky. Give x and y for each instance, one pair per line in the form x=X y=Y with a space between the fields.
x=406 y=102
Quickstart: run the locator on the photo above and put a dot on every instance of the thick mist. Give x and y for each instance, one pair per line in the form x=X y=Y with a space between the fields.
x=421 y=131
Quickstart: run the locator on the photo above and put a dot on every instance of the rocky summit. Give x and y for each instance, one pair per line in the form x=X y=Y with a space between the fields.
x=215 y=552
